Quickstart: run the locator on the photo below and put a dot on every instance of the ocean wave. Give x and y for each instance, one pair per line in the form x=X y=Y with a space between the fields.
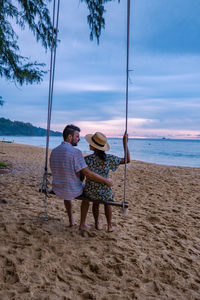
x=186 y=155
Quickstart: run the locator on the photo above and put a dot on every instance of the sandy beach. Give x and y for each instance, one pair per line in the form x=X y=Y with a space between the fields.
x=154 y=253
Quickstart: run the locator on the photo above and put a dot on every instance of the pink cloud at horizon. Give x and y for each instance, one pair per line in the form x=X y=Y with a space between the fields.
x=116 y=128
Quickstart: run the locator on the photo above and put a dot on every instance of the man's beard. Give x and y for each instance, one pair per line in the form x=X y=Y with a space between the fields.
x=74 y=143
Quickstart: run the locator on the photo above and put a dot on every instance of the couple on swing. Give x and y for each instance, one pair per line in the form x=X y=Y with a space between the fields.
x=69 y=167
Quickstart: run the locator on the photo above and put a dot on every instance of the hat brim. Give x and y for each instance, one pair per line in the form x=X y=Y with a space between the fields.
x=88 y=138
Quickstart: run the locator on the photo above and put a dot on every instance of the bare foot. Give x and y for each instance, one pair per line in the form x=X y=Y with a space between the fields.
x=72 y=224
x=111 y=228
x=84 y=227
x=98 y=226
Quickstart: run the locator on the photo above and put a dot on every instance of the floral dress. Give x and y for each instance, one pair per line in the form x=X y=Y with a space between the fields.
x=96 y=190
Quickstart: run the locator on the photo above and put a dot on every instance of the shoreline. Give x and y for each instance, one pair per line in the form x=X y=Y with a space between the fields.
x=153 y=253
x=111 y=137
x=87 y=153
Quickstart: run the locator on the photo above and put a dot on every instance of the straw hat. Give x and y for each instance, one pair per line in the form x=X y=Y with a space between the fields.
x=98 y=141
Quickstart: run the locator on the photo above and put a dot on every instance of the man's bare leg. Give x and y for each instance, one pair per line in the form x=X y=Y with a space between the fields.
x=95 y=210
x=68 y=206
x=84 y=210
x=108 y=213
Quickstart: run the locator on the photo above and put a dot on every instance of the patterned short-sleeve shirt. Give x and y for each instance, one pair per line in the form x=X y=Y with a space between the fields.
x=66 y=162
x=96 y=190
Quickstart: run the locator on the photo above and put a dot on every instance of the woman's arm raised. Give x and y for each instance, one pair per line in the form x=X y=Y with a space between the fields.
x=126 y=150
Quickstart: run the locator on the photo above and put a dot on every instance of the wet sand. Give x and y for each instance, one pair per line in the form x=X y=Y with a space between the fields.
x=154 y=253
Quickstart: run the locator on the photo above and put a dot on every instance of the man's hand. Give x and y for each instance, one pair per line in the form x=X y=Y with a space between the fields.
x=96 y=177
x=109 y=182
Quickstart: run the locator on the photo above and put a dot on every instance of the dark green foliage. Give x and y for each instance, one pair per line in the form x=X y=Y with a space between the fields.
x=1 y=101
x=95 y=19
x=8 y=127
x=35 y=14
x=3 y=165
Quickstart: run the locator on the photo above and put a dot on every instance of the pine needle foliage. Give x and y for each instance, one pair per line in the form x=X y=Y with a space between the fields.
x=1 y=101
x=95 y=18
x=36 y=16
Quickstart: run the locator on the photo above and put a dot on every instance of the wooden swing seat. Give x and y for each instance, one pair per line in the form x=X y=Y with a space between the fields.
x=109 y=202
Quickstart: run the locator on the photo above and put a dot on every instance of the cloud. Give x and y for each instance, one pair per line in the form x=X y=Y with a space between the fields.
x=82 y=86
x=137 y=128
x=90 y=79
x=114 y=127
x=167 y=133
x=167 y=26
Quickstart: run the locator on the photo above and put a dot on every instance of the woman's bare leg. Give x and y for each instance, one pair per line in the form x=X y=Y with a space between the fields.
x=84 y=210
x=95 y=210
x=108 y=213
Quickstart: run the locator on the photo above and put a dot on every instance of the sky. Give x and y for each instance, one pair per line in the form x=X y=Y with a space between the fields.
x=90 y=79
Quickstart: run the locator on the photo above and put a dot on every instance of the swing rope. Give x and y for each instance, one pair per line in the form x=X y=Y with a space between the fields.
x=51 y=77
x=45 y=181
x=127 y=81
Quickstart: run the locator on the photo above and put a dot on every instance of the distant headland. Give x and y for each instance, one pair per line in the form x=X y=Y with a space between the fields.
x=17 y=128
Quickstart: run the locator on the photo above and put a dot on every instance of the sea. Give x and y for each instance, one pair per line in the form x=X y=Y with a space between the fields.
x=174 y=152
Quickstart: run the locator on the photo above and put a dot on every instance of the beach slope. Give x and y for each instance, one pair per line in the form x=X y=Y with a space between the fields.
x=154 y=253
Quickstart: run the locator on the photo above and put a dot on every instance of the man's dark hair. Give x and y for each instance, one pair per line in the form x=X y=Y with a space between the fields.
x=70 y=129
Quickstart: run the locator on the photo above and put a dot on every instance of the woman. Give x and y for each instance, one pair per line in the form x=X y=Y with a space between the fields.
x=101 y=163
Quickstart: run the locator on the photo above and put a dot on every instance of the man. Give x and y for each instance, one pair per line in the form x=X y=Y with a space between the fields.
x=67 y=163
